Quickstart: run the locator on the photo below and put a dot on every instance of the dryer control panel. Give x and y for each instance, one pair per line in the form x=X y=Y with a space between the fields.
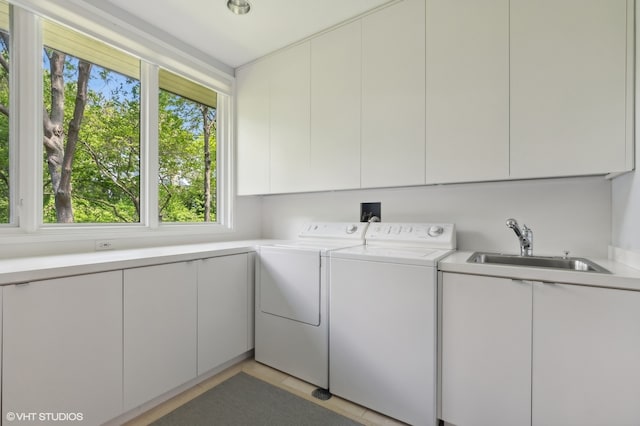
x=433 y=235
x=336 y=230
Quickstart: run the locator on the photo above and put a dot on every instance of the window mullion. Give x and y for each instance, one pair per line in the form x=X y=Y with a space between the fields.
x=26 y=63
x=226 y=158
x=149 y=145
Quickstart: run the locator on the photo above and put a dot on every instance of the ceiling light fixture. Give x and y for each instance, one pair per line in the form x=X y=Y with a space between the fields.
x=239 y=7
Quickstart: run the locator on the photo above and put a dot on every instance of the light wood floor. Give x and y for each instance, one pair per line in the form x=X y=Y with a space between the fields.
x=276 y=378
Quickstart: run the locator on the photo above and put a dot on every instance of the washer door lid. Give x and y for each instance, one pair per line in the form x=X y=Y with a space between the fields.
x=290 y=283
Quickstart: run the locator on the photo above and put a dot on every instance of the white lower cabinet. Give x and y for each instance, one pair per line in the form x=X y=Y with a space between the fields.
x=1 y=328
x=160 y=330
x=62 y=350
x=486 y=351
x=91 y=347
x=586 y=353
x=224 y=310
x=531 y=353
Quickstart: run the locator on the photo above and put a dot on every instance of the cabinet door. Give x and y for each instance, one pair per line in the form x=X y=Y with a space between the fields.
x=2 y=412
x=62 y=347
x=335 y=108
x=486 y=350
x=252 y=88
x=467 y=90
x=223 y=310
x=569 y=93
x=586 y=347
x=289 y=110
x=160 y=323
x=393 y=96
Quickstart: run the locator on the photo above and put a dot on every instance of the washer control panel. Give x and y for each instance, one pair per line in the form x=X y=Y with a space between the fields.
x=435 y=235
x=349 y=230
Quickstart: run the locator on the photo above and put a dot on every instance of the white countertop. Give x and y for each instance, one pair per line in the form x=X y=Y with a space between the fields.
x=21 y=270
x=622 y=276
x=27 y=269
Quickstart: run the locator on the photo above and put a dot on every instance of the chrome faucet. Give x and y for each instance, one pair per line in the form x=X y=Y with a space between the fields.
x=525 y=236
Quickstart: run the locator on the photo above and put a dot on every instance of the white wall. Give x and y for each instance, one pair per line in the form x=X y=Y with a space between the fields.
x=565 y=214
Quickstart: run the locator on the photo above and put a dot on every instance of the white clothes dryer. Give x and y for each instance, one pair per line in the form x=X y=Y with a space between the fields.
x=383 y=329
x=291 y=325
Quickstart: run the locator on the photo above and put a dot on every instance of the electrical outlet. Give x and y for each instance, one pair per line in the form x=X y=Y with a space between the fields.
x=104 y=245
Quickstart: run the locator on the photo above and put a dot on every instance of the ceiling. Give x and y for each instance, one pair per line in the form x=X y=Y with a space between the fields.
x=210 y=27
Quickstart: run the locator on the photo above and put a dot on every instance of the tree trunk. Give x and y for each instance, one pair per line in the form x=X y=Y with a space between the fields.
x=207 y=163
x=4 y=63
x=53 y=125
x=59 y=156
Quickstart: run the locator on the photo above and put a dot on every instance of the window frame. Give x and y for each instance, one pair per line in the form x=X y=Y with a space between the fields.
x=26 y=124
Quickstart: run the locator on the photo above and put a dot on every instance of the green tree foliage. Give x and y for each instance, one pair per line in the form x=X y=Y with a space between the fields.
x=106 y=167
x=106 y=161
x=182 y=156
x=4 y=127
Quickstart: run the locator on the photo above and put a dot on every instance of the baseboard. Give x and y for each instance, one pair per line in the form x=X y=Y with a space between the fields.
x=628 y=257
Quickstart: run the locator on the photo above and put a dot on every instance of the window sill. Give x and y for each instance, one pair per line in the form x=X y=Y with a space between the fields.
x=54 y=240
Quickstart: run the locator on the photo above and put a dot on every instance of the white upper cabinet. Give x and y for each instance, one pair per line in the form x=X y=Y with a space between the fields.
x=437 y=91
x=570 y=75
x=393 y=96
x=289 y=111
x=335 y=108
x=274 y=120
x=252 y=97
x=467 y=90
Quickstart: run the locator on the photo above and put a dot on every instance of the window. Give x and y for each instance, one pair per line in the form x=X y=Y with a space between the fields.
x=116 y=134
x=91 y=130
x=187 y=190
x=5 y=181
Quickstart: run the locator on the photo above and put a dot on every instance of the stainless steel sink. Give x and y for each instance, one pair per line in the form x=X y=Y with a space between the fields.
x=564 y=263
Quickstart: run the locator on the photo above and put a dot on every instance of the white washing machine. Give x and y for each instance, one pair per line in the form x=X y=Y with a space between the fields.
x=383 y=329
x=291 y=328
